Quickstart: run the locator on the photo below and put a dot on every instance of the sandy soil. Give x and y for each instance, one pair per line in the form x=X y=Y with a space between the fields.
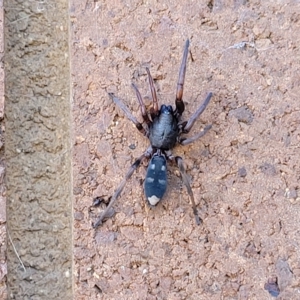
x=244 y=172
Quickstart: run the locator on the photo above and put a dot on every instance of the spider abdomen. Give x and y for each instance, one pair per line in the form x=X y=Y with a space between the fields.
x=156 y=179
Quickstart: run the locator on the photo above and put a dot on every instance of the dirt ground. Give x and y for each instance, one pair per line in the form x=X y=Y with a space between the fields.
x=244 y=172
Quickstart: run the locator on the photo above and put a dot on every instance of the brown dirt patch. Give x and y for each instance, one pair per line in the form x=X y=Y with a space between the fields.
x=244 y=172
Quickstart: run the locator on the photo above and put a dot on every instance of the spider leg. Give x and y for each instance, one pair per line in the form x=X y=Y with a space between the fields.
x=189 y=124
x=178 y=102
x=154 y=109
x=186 y=141
x=118 y=191
x=142 y=105
x=179 y=162
x=128 y=114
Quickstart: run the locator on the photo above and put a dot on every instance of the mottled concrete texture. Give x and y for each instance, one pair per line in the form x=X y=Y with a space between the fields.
x=37 y=144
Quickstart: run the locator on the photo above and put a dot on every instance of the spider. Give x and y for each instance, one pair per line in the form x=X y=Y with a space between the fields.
x=163 y=129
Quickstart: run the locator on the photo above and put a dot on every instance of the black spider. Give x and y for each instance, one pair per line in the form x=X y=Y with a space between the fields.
x=163 y=129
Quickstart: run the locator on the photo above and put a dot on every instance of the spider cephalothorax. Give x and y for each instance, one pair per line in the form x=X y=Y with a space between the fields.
x=163 y=129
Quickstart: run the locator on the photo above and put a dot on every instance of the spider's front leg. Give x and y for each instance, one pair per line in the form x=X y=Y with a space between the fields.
x=186 y=141
x=179 y=102
x=187 y=126
x=142 y=106
x=120 y=188
x=154 y=109
x=128 y=114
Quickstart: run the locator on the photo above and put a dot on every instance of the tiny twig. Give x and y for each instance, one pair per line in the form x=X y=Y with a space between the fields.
x=16 y=251
x=242 y=45
x=20 y=19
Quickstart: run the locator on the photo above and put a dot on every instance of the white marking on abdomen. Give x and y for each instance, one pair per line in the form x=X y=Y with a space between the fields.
x=153 y=200
x=150 y=179
x=161 y=181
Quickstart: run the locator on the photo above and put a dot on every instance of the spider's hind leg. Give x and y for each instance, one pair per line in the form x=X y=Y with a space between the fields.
x=185 y=179
x=134 y=166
